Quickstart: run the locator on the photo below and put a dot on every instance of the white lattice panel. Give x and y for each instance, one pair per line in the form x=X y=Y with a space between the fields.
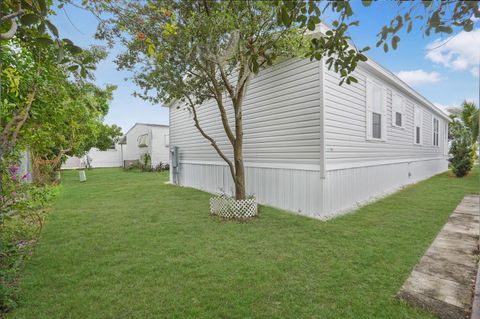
x=228 y=207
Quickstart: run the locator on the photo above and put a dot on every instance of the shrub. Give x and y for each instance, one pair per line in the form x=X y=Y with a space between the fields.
x=146 y=162
x=22 y=210
x=460 y=149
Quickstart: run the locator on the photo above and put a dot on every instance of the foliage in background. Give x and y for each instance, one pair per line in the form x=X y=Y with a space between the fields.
x=23 y=211
x=144 y=164
x=460 y=148
x=48 y=105
x=338 y=49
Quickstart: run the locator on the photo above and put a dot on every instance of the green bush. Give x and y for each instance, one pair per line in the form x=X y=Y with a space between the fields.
x=461 y=149
x=22 y=211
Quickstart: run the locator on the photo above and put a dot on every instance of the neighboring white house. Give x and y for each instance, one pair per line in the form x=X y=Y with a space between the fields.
x=140 y=139
x=146 y=138
x=314 y=147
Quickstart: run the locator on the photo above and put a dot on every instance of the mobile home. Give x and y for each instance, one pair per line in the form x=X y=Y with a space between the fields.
x=314 y=147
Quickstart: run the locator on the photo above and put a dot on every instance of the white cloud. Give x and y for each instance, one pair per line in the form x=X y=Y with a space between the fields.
x=445 y=107
x=419 y=76
x=459 y=52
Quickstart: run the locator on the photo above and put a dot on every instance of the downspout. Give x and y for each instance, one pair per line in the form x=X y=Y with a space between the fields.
x=121 y=156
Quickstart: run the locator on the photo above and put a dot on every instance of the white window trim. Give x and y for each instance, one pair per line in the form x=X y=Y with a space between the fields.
x=433 y=130
x=369 y=111
x=445 y=139
x=402 y=111
x=415 y=107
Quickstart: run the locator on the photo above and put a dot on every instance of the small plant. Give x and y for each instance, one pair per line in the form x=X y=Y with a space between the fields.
x=460 y=149
x=146 y=162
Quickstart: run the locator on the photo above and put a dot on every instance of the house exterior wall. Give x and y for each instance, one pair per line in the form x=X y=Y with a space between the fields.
x=306 y=147
x=159 y=145
x=156 y=143
x=281 y=120
x=131 y=150
x=345 y=126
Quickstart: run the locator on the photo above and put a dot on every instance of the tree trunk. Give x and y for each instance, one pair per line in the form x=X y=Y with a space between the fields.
x=239 y=171
x=238 y=148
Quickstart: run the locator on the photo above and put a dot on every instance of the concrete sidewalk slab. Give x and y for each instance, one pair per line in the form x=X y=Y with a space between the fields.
x=443 y=281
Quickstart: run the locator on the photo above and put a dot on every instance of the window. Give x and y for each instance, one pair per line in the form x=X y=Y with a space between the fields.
x=375 y=107
x=376 y=125
x=418 y=120
x=398 y=109
x=398 y=119
x=436 y=131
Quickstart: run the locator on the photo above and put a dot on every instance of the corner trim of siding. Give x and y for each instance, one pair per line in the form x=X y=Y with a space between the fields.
x=302 y=167
x=337 y=167
x=322 y=118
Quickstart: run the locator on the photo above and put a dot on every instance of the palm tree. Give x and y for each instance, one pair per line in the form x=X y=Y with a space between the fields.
x=468 y=113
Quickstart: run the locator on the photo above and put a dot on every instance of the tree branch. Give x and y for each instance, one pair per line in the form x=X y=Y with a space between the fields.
x=210 y=139
x=218 y=97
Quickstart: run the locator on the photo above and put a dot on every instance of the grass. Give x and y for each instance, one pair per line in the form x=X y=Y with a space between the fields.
x=125 y=245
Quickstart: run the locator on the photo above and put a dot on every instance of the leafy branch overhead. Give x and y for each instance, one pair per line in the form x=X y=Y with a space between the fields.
x=29 y=21
x=335 y=45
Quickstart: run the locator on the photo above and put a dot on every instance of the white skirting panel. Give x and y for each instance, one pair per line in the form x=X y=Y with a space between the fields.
x=295 y=190
x=305 y=192
x=347 y=189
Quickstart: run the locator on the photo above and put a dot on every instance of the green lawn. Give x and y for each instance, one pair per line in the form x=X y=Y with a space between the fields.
x=126 y=245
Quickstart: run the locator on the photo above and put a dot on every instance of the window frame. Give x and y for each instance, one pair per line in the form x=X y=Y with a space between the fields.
x=398 y=109
x=434 y=118
x=369 y=110
x=420 y=110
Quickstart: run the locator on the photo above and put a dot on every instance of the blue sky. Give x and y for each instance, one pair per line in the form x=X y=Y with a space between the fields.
x=445 y=74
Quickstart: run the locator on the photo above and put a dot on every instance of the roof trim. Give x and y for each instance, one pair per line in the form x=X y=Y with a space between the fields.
x=146 y=124
x=394 y=80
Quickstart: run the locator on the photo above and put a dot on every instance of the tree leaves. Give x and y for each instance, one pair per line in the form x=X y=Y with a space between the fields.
x=395 y=41
x=52 y=28
x=29 y=19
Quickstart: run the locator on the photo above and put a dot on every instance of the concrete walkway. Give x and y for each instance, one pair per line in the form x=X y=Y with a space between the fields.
x=443 y=281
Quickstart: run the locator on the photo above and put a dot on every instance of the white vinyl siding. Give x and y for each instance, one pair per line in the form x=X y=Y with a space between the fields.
x=418 y=125
x=375 y=111
x=281 y=120
x=167 y=140
x=398 y=110
x=345 y=125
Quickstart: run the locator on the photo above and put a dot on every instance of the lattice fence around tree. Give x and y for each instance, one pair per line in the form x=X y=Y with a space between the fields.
x=228 y=207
